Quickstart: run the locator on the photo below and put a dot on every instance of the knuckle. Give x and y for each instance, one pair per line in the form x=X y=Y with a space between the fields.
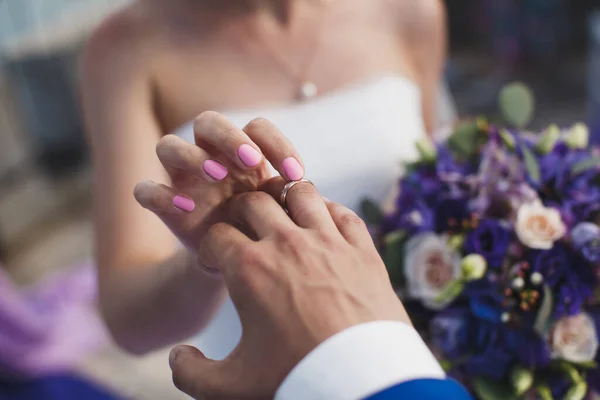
x=351 y=219
x=185 y=384
x=250 y=255
x=227 y=136
x=204 y=250
x=166 y=145
x=344 y=216
x=252 y=199
x=204 y=120
x=304 y=189
x=258 y=124
x=290 y=236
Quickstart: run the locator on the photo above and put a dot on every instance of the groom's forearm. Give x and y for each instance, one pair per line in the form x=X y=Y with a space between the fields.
x=151 y=306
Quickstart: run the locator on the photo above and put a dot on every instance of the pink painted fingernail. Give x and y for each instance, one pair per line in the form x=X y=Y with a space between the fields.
x=249 y=156
x=292 y=168
x=215 y=170
x=184 y=203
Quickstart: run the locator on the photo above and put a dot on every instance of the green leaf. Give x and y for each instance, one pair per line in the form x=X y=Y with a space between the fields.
x=371 y=212
x=586 y=165
x=571 y=372
x=521 y=379
x=393 y=255
x=533 y=168
x=517 y=104
x=587 y=365
x=545 y=312
x=577 y=392
x=466 y=139
x=507 y=138
x=394 y=237
x=544 y=392
x=451 y=291
x=487 y=389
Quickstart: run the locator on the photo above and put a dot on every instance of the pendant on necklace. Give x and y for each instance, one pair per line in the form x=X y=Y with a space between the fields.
x=307 y=90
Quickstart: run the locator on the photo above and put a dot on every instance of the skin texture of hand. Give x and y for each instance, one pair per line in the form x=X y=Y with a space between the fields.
x=224 y=161
x=302 y=278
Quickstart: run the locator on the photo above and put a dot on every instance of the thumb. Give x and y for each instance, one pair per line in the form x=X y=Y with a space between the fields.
x=194 y=374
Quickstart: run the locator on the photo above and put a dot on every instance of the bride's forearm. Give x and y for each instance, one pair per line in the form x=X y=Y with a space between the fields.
x=151 y=306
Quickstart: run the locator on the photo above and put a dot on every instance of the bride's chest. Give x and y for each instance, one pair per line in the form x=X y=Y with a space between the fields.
x=223 y=77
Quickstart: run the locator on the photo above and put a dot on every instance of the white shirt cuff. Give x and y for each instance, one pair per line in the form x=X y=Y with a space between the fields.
x=359 y=362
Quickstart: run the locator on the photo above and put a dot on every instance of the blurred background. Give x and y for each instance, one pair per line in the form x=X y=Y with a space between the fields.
x=45 y=198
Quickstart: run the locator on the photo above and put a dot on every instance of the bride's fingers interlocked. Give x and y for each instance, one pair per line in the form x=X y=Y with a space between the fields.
x=162 y=199
x=217 y=135
x=177 y=155
x=258 y=213
x=278 y=149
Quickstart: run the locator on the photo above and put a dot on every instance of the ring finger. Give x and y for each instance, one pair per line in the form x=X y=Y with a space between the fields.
x=304 y=204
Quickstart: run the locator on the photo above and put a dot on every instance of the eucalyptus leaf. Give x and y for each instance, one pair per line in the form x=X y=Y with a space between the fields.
x=586 y=165
x=531 y=163
x=371 y=212
x=545 y=312
x=487 y=389
x=466 y=139
x=517 y=104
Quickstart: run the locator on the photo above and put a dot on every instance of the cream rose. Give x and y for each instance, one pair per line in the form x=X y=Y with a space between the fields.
x=429 y=266
x=538 y=227
x=574 y=338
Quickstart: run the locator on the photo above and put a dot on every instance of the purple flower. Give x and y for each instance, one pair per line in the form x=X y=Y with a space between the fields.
x=586 y=239
x=491 y=356
x=450 y=214
x=577 y=195
x=412 y=213
x=485 y=301
x=491 y=240
x=567 y=273
x=530 y=349
x=449 y=332
x=423 y=183
x=447 y=165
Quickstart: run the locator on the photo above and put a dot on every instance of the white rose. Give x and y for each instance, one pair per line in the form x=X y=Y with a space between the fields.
x=574 y=339
x=429 y=266
x=538 y=227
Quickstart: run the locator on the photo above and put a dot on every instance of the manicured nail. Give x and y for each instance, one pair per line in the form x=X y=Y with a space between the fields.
x=184 y=203
x=292 y=168
x=249 y=156
x=215 y=170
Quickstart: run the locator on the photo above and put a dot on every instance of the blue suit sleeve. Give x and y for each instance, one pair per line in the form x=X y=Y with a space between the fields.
x=424 y=389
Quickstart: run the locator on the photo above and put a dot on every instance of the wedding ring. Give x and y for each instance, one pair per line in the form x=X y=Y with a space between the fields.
x=286 y=190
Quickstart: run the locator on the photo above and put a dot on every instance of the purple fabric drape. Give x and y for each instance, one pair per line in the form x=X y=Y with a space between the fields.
x=51 y=326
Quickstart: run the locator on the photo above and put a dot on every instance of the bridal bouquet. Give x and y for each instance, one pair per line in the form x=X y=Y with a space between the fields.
x=494 y=247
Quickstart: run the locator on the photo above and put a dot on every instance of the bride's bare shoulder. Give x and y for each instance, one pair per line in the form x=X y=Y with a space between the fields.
x=419 y=18
x=122 y=39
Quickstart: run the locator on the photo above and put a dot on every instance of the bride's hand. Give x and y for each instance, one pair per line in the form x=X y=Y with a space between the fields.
x=224 y=161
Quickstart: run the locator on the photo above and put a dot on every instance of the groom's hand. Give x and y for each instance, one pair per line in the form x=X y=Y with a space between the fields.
x=304 y=278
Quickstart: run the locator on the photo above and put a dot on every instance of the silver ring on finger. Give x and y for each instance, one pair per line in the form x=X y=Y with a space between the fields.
x=286 y=190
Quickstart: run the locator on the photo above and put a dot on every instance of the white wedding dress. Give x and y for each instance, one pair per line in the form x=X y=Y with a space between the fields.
x=352 y=142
